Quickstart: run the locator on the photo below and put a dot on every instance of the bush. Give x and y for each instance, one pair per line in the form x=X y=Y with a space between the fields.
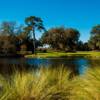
x=42 y=50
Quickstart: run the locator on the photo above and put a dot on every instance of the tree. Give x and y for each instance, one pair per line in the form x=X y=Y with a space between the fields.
x=33 y=23
x=95 y=30
x=9 y=41
x=8 y=28
x=61 y=38
x=94 y=41
x=81 y=46
x=72 y=38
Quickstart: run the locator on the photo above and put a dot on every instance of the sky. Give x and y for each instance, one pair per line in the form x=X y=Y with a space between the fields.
x=79 y=14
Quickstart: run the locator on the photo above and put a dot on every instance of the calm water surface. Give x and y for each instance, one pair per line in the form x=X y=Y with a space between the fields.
x=75 y=64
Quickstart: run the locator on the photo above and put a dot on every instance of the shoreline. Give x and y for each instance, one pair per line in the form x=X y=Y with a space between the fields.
x=95 y=54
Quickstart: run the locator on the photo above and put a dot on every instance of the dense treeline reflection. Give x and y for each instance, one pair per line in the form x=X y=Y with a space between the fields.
x=77 y=65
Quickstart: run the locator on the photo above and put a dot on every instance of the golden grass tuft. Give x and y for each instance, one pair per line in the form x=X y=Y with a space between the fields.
x=51 y=84
x=43 y=84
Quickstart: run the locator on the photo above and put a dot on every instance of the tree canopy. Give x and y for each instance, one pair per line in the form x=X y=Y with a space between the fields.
x=34 y=23
x=61 y=38
x=15 y=37
x=94 y=42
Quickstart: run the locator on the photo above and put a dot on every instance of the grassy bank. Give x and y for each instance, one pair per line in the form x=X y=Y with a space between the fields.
x=63 y=54
x=51 y=84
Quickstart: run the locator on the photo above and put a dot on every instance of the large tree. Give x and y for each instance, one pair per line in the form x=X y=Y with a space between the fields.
x=61 y=38
x=8 y=40
x=94 y=42
x=33 y=23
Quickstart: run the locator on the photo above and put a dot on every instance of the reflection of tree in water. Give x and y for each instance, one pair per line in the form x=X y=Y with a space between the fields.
x=7 y=68
x=68 y=63
x=74 y=71
x=76 y=66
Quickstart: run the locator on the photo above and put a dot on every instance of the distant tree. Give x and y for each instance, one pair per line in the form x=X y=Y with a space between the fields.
x=8 y=37
x=72 y=38
x=33 y=23
x=8 y=28
x=95 y=30
x=7 y=45
x=94 y=41
x=80 y=46
x=53 y=37
x=61 y=38
x=86 y=47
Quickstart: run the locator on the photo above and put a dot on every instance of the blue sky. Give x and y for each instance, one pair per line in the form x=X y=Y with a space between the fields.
x=80 y=14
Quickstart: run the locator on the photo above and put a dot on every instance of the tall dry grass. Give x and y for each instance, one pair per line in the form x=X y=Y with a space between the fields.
x=87 y=86
x=51 y=84
x=43 y=84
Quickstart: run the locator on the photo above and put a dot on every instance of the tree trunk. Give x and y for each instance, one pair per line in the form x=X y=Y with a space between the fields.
x=34 y=42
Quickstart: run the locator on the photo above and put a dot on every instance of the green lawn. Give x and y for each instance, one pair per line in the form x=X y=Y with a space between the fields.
x=63 y=54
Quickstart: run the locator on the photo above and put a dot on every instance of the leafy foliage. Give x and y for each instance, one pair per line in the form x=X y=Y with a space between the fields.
x=61 y=38
x=33 y=23
x=94 y=41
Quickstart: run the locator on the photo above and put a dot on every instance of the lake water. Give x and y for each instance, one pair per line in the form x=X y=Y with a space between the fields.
x=77 y=65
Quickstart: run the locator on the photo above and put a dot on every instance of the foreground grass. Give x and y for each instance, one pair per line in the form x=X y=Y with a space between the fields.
x=43 y=84
x=87 y=86
x=51 y=84
x=63 y=54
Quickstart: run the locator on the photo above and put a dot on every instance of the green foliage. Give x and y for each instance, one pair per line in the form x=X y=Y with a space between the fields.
x=8 y=28
x=82 y=46
x=9 y=41
x=95 y=30
x=94 y=42
x=33 y=23
x=61 y=38
x=12 y=36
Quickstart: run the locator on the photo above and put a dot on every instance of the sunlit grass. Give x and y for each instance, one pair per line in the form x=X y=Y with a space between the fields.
x=87 y=86
x=51 y=84
x=93 y=54
x=91 y=81
x=43 y=84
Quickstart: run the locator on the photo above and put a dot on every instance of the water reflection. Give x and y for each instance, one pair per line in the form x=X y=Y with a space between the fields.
x=77 y=65
x=81 y=65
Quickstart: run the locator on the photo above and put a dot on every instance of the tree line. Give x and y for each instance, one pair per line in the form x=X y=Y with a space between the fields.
x=21 y=38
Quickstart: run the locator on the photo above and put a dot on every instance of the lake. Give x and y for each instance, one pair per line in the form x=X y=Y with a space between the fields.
x=77 y=65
